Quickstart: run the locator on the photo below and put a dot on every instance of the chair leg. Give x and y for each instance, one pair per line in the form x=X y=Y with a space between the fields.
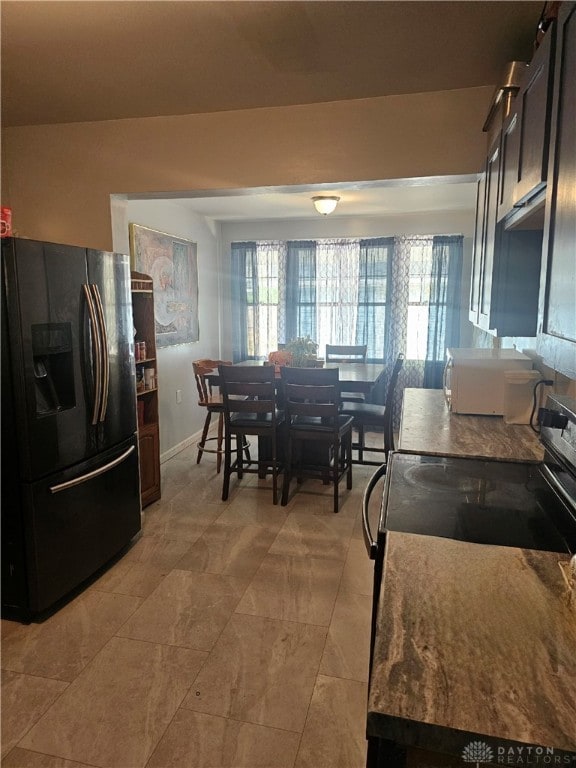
x=239 y=457
x=219 y=443
x=336 y=474
x=202 y=442
x=287 y=471
x=227 y=465
x=361 y=443
x=348 y=455
x=274 y=476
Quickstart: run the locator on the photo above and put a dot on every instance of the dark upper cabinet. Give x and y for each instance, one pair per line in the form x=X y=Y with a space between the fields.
x=557 y=320
x=515 y=282
x=525 y=137
x=485 y=319
x=510 y=148
x=478 y=251
x=524 y=263
x=506 y=265
x=534 y=102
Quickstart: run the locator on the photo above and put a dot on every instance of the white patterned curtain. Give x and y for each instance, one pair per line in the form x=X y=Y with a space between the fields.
x=337 y=270
x=407 y=325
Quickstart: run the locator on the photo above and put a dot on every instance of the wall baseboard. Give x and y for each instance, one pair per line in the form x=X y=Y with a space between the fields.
x=179 y=447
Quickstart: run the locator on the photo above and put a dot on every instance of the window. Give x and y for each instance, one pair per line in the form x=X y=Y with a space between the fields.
x=388 y=293
x=262 y=291
x=336 y=292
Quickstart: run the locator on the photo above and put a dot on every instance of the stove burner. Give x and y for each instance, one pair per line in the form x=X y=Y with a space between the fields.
x=445 y=477
x=484 y=502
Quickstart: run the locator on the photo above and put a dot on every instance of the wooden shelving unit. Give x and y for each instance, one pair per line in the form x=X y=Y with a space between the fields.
x=146 y=388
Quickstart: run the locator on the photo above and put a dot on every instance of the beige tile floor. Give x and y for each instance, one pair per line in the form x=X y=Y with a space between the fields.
x=230 y=635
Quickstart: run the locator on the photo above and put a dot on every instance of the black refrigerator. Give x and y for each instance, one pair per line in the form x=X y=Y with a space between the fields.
x=70 y=476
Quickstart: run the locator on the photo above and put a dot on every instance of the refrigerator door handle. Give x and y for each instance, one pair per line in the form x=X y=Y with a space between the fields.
x=105 y=352
x=90 y=475
x=96 y=353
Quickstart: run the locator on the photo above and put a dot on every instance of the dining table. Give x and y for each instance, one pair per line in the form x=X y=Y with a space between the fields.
x=353 y=377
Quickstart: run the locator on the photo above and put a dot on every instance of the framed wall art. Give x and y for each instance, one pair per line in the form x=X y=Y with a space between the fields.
x=172 y=262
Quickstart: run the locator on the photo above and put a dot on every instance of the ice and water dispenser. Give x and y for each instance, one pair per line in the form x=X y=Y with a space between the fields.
x=53 y=367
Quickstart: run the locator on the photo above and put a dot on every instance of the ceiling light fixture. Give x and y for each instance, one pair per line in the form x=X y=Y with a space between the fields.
x=325 y=204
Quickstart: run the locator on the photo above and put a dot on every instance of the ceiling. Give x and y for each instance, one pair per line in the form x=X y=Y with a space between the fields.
x=77 y=60
x=88 y=60
x=373 y=198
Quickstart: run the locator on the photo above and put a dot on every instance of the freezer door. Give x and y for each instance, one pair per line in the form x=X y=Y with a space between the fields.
x=78 y=520
x=109 y=286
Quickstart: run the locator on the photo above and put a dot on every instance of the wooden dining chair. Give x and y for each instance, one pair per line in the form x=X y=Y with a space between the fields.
x=209 y=397
x=379 y=416
x=351 y=353
x=311 y=399
x=340 y=353
x=249 y=399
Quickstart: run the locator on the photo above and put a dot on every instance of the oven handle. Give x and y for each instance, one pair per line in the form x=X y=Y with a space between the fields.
x=371 y=543
x=558 y=488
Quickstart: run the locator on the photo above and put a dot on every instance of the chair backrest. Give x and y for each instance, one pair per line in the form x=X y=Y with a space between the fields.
x=248 y=389
x=389 y=405
x=311 y=392
x=338 y=353
x=205 y=372
x=311 y=376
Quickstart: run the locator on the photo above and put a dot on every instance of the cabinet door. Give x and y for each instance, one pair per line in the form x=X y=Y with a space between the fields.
x=477 y=256
x=514 y=307
x=534 y=112
x=489 y=239
x=557 y=341
x=149 y=447
x=509 y=165
x=506 y=265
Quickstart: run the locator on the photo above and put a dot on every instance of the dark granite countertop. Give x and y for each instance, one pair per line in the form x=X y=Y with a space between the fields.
x=429 y=427
x=473 y=642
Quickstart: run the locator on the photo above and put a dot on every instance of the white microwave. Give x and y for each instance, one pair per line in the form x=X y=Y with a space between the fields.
x=474 y=380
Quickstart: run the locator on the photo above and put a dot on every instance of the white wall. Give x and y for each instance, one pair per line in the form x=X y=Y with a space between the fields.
x=178 y=421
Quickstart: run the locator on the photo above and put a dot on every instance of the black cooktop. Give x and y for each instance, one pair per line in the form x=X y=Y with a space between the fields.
x=484 y=502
